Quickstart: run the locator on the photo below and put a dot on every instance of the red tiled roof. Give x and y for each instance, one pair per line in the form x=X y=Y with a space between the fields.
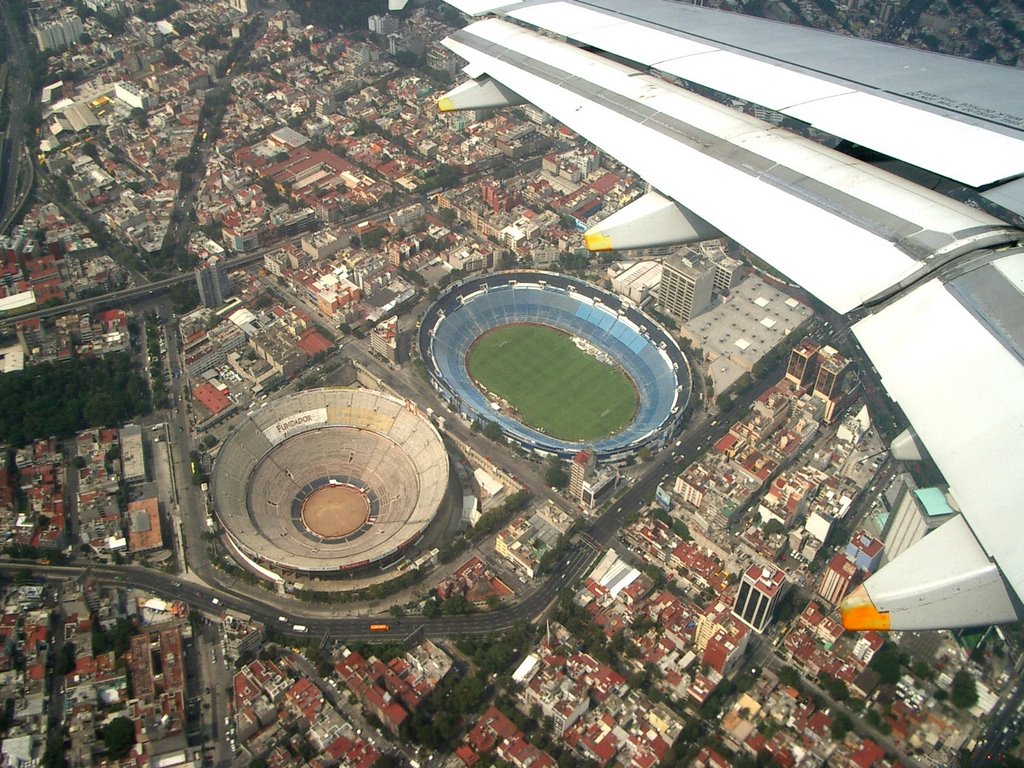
x=312 y=342
x=213 y=399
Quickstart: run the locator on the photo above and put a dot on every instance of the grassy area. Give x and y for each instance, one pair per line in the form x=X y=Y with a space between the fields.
x=553 y=386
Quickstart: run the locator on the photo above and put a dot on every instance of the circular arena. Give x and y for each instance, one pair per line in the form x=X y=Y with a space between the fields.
x=329 y=480
x=641 y=347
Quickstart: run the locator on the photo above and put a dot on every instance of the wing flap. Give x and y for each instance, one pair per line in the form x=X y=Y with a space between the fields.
x=912 y=105
x=954 y=367
x=857 y=228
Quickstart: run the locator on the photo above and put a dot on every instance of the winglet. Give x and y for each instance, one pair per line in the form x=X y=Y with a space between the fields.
x=859 y=613
x=483 y=93
x=597 y=241
x=649 y=221
x=944 y=580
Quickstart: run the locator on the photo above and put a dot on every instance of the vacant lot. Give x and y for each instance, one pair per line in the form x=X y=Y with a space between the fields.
x=551 y=385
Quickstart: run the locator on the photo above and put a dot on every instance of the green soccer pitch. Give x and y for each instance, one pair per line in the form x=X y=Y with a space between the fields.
x=553 y=386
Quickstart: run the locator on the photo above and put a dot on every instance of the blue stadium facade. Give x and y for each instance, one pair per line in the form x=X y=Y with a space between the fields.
x=644 y=350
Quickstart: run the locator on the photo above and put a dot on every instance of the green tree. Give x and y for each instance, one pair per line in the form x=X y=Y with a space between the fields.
x=836 y=688
x=119 y=737
x=923 y=670
x=963 y=693
x=556 y=476
x=841 y=725
x=66 y=660
x=493 y=432
x=456 y=605
x=886 y=662
x=789 y=676
x=374 y=238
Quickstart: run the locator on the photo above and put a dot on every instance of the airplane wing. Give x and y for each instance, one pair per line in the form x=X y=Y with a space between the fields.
x=939 y=283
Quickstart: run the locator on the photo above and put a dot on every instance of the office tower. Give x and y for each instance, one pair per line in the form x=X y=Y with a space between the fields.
x=801 y=368
x=213 y=282
x=685 y=288
x=760 y=590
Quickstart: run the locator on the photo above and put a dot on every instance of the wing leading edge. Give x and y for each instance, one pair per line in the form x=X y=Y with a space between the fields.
x=946 y=350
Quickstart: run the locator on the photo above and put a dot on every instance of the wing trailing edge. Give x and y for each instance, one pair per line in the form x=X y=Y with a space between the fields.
x=945 y=580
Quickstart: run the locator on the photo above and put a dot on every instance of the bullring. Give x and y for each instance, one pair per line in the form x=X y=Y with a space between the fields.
x=329 y=480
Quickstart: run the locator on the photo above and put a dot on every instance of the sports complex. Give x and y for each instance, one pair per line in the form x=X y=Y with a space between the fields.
x=328 y=480
x=460 y=345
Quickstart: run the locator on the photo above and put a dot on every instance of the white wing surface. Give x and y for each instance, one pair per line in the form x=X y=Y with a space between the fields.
x=942 y=281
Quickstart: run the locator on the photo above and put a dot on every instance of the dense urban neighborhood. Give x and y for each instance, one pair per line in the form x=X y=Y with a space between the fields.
x=276 y=493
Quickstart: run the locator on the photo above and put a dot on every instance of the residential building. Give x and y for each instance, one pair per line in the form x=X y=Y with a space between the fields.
x=865 y=551
x=59 y=33
x=582 y=467
x=836 y=580
x=383 y=24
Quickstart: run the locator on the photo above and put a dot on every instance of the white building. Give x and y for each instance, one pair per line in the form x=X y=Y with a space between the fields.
x=132 y=95
x=383 y=25
x=60 y=33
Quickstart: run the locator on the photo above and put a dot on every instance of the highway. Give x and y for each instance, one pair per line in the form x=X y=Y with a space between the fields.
x=128 y=295
x=11 y=198
x=329 y=622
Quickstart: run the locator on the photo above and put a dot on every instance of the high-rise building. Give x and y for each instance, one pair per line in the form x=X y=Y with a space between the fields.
x=581 y=469
x=685 y=288
x=914 y=512
x=387 y=340
x=801 y=367
x=213 y=282
x=59 y=33
x=760 y=591
x=831 y=366
x=709 y=623
x=442 y=61
x=132 y=95
x=727 y=273
x=828 y=383
x=835 y=581
x=383 y=24
x=597 y=486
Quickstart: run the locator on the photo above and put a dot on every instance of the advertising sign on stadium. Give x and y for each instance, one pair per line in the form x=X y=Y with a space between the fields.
x=299 y=422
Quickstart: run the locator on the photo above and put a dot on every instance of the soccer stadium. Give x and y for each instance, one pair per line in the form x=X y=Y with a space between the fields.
x=329 y=480
x=596 y=319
